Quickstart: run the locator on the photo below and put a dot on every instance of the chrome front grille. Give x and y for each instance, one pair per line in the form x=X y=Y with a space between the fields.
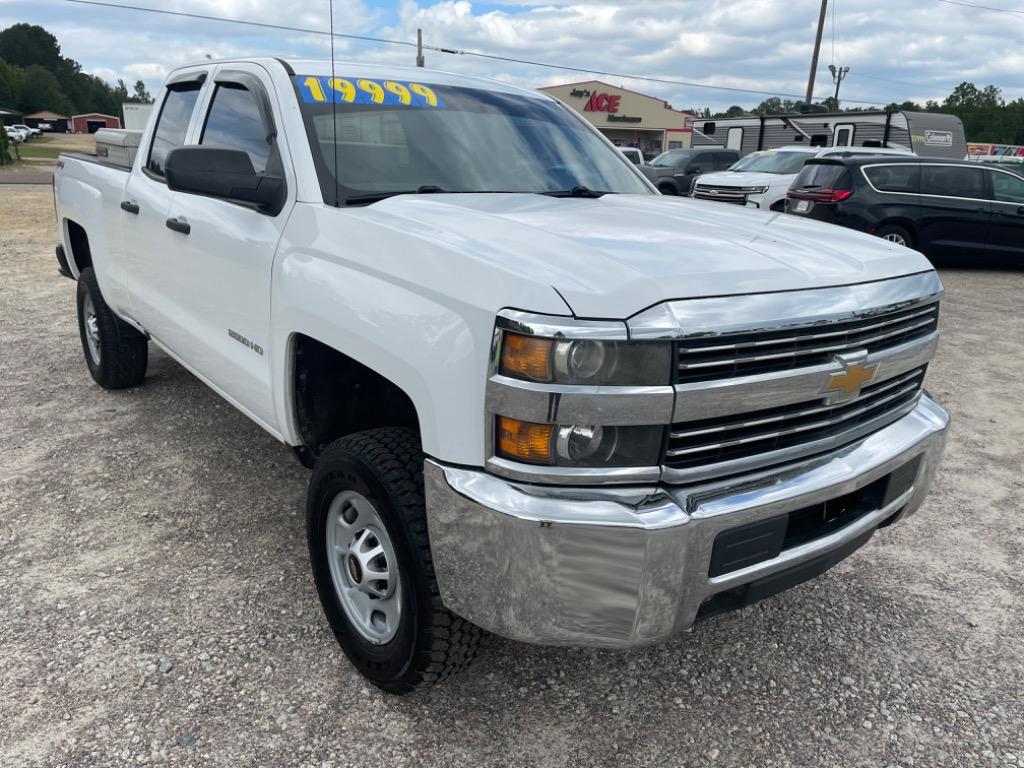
x=729 y=356
x=736 y=195
x=762 y=432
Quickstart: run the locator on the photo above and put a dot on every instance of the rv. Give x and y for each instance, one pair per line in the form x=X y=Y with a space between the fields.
x=929 y=134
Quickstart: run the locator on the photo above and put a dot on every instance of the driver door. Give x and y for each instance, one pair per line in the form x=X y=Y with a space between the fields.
x=224 y=259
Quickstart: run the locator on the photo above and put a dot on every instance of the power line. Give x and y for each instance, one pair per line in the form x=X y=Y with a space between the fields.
x=451 y=51
x=264 y=25
x=962 y=4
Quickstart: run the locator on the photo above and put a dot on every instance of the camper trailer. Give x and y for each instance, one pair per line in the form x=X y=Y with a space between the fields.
x=929 y=134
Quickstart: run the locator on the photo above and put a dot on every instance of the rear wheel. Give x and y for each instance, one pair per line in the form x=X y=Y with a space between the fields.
x=115 y=353
x=367 y=531
x=895 y=234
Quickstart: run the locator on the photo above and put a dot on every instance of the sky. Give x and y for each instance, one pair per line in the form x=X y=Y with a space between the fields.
x=896 y=49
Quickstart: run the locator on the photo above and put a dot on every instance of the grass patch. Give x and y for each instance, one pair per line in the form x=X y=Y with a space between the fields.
x=29 y=151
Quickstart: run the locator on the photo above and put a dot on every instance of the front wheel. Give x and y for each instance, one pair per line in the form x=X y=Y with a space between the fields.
x=367 y=532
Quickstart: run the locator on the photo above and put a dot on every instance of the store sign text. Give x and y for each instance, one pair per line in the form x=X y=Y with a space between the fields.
x=603 y=102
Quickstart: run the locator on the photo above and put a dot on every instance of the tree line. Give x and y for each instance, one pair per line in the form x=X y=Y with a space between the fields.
x=35 y=76
x=986 y=115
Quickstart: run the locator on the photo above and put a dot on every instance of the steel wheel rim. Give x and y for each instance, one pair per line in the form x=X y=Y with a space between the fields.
x=92 y=329
x=895 y=237
x=364 y=568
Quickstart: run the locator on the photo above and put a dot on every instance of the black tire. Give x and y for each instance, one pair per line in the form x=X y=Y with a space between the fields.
x=668 y=189
x=123 y=352
x=895 y=233
x=431 y=643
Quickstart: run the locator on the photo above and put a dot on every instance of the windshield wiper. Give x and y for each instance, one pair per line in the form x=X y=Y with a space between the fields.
x=577 y=191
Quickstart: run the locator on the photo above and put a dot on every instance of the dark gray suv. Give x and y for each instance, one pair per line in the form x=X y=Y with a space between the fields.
x=673 y=172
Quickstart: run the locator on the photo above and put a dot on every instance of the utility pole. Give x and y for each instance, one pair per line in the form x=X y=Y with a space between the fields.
x=817 y=49
x=419 y=48
x=838 y=74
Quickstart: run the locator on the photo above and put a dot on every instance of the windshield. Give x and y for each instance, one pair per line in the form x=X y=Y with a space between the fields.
x=672 y=158
x=773 y=161
x=381 y=138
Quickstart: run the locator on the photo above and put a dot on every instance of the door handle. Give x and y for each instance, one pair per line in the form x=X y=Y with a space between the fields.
x=129 y=206
x=179 y=225
x=1020 y=211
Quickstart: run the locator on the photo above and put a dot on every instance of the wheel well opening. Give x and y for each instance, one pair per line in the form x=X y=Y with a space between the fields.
x=335 y=396
x=79 y=243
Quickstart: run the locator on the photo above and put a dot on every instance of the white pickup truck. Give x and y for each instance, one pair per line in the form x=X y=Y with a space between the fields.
x=537 y=397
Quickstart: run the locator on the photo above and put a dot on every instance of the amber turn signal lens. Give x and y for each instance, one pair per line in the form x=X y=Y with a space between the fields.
x=526 y=357
x=523 y=441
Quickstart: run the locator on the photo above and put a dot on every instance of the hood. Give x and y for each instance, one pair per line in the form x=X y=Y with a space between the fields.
x=616 y=255
x=746 y=179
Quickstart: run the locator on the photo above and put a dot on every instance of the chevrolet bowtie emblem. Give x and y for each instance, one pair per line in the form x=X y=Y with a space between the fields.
x=848 y=383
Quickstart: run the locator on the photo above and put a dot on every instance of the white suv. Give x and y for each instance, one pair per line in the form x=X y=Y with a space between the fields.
x=762 y=179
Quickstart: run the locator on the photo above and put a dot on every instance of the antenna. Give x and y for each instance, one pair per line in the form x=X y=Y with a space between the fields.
x=334 y=111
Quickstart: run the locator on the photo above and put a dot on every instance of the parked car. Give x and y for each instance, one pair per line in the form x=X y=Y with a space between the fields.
x=673 y=172
x=396 y=272
x=29 y=130
x=636 y=157
x=762 y=179
x=943 y=208
x=14 y=134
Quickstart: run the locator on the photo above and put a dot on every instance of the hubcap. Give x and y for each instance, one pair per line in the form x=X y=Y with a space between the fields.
x=92 y=329
x=894 y=237
x=364 y=568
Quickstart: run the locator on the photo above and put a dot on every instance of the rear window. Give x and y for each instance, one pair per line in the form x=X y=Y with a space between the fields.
x=894 y=178
x=821 y=176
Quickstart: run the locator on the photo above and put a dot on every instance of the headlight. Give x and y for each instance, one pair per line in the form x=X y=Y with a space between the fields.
x=578 y=446
x=585 y=361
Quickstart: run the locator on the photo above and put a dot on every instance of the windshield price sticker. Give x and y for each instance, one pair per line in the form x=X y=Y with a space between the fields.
x=341 y=90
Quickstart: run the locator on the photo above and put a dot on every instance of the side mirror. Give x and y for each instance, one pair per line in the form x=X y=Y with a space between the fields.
x=227 y=174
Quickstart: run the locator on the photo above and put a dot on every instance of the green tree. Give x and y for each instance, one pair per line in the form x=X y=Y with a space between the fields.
x=26 y=44
x=140 y=94
x=10 y=84
x=41 y=90
x=5 y=155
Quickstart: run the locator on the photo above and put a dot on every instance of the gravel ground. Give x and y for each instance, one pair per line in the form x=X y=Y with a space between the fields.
x=157 y=605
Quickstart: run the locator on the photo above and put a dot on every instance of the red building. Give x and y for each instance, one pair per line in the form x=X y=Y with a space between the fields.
x=92 y=122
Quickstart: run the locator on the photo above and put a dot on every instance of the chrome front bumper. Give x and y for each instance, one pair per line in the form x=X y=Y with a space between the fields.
x=625 y=566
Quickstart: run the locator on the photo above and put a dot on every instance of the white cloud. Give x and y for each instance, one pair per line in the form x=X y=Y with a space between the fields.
x=928 y=47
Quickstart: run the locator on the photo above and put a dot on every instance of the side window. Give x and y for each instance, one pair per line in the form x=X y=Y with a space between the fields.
x=895 y=178
x=1007 y=188
x=700 y=164
x=234 y=123
x=172 y=125
x=953 y=181
x=734 y=138
x=723 y=160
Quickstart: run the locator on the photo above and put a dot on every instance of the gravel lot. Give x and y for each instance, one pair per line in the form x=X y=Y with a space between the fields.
x=157 y=606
